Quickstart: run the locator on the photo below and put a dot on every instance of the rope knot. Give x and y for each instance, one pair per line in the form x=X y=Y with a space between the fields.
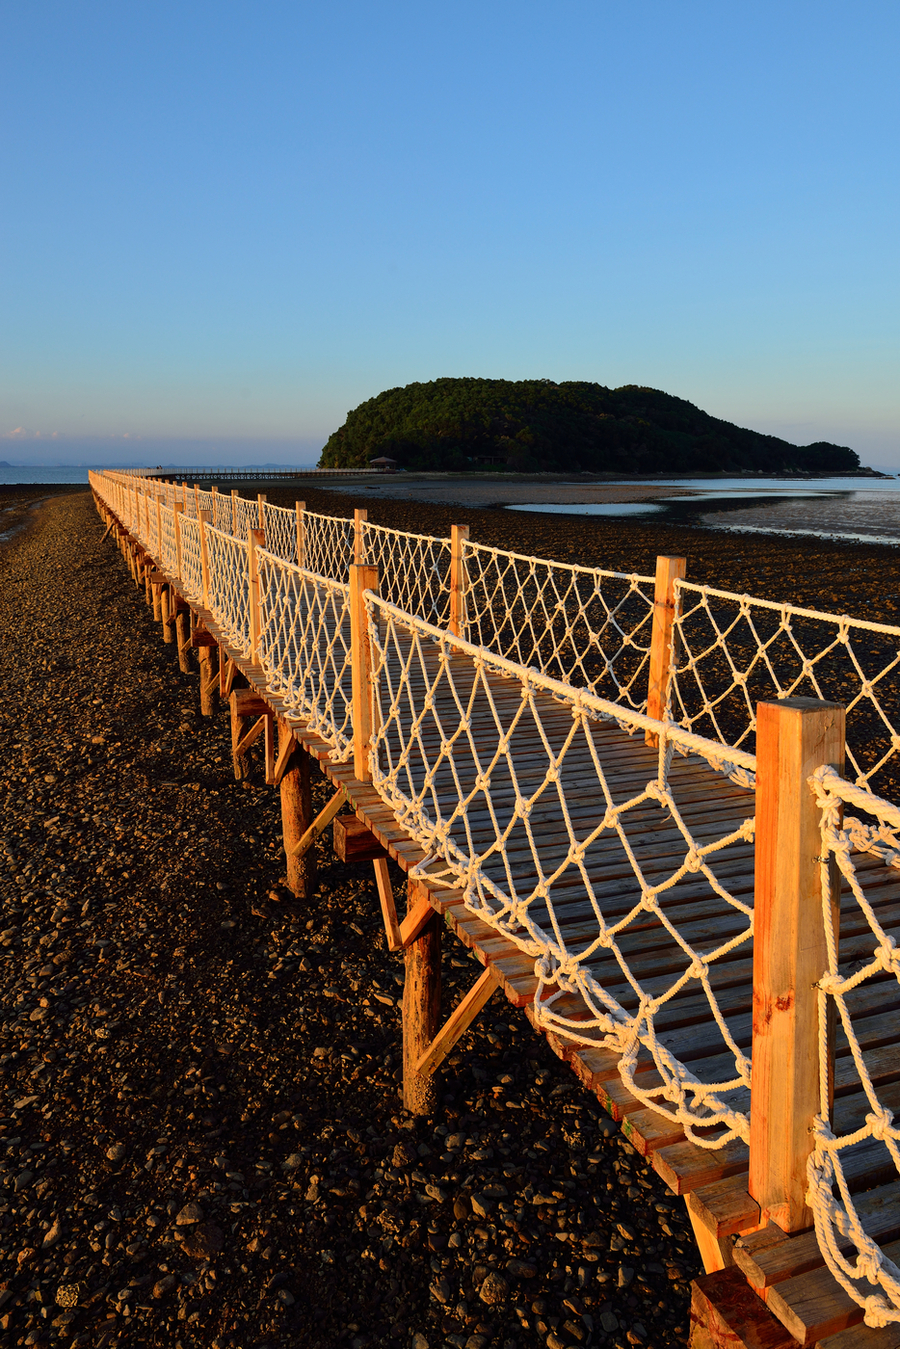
x=880 y=1124
x=830 y=984
x=693 y=861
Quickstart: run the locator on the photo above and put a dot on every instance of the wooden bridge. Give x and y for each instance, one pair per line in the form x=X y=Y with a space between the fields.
x=667 y=906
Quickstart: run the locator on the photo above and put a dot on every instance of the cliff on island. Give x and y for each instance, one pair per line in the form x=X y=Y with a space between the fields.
x=534 y=425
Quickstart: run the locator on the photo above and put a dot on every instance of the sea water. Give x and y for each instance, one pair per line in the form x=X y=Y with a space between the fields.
x=865 y=510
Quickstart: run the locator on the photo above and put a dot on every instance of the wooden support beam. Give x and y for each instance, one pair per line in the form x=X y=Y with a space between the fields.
x=421 y=1008
x=354 y=841
x=292 y=772
x=209 y=682
x=320 y=823
x=668 y=570
x=716 y=1252
x=794 y=737
x=109 y=527
x=269 y=752
x=183 y=639
x=459 y=535
x=362 y=578
x=388 y=907
x=168 y=615
x=459 y=1022
x=245 y=703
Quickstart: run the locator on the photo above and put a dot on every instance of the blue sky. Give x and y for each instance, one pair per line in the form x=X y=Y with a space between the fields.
x=227 y=224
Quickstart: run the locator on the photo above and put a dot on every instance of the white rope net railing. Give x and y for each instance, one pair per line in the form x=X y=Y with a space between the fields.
x=247 y=513
x=587 y=627
x=861 y=992
x=414 y=570
x=281 y=532
x=191 y=558
x=222 y=515
x=168 y=548
x=304 y=647
x=327 y=545
x=229 y=586
x=512 y=784
x=732 y=651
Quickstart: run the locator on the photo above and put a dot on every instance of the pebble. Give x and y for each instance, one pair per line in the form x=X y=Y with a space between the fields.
x=191 y=1213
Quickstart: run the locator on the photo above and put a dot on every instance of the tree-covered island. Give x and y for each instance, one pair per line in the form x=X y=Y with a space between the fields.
x=534 y=425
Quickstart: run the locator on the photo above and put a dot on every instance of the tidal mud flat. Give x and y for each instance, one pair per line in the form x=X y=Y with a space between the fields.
x=204 y=1138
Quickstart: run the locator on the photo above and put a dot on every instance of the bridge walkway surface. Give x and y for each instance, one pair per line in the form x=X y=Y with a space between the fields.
x=608 y=868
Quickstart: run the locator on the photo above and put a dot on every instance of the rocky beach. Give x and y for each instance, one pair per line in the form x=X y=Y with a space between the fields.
x=203 y=1131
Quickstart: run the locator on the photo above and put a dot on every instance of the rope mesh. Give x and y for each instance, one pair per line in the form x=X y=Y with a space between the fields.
x=732 y=651
x=229 y=586
x=414 y=570
x=513 y=785
x=587 y=627
x=327 y=544
x=281 y=532
x=304 y=648
x=861 y=992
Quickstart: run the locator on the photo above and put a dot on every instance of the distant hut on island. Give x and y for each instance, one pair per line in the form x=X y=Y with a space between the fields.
x=384 y=464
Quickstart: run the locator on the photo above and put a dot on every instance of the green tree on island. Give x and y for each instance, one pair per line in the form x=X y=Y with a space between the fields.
x=534 y=425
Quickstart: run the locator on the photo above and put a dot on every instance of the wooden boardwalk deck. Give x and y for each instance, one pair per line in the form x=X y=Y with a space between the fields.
x=787 y=1271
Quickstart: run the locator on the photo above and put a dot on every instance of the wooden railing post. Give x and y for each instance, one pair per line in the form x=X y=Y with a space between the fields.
x=256 y=538
x=203 y=517
x=261 y=507
x=159 y=529
x=794 y=737
x=196 y=500
x=459 y=536
x=301 y=543
x=668 y=571
x=362 y=577
x=359 y=547
x=234 y=511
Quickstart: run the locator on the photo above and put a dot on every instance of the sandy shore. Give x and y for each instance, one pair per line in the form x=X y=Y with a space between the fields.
x=204 y=1140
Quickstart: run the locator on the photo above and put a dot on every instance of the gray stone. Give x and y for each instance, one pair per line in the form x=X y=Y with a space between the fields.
x=202 y=1241
x=626 y=1274
x=116 y=1153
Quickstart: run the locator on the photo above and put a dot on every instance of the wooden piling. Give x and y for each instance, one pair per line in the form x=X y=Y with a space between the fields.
x=362 y=578
x=421 y=1007
x=167 y=614
x=245 y=704
x=183 y=638
x=459 y=535
x=296 y=816
x=794 y=737
x=668 y=571
x=209 y=677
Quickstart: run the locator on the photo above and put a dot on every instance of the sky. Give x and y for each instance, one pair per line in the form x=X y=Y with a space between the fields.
x=227 y=224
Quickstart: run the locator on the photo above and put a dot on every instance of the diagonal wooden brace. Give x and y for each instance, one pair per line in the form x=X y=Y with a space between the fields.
x=227 y=672
x=459 y=1022
x=388 y=907
x=319 y=824
x=415 y=920
x=282 y=763
x=247 y=740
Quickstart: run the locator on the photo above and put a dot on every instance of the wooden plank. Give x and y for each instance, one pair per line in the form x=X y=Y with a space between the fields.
x=769 y=1256
x=726 y=1207
x=459 y=1022
x=726 y=1314
x=813 y=1306
x=685 y=1167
